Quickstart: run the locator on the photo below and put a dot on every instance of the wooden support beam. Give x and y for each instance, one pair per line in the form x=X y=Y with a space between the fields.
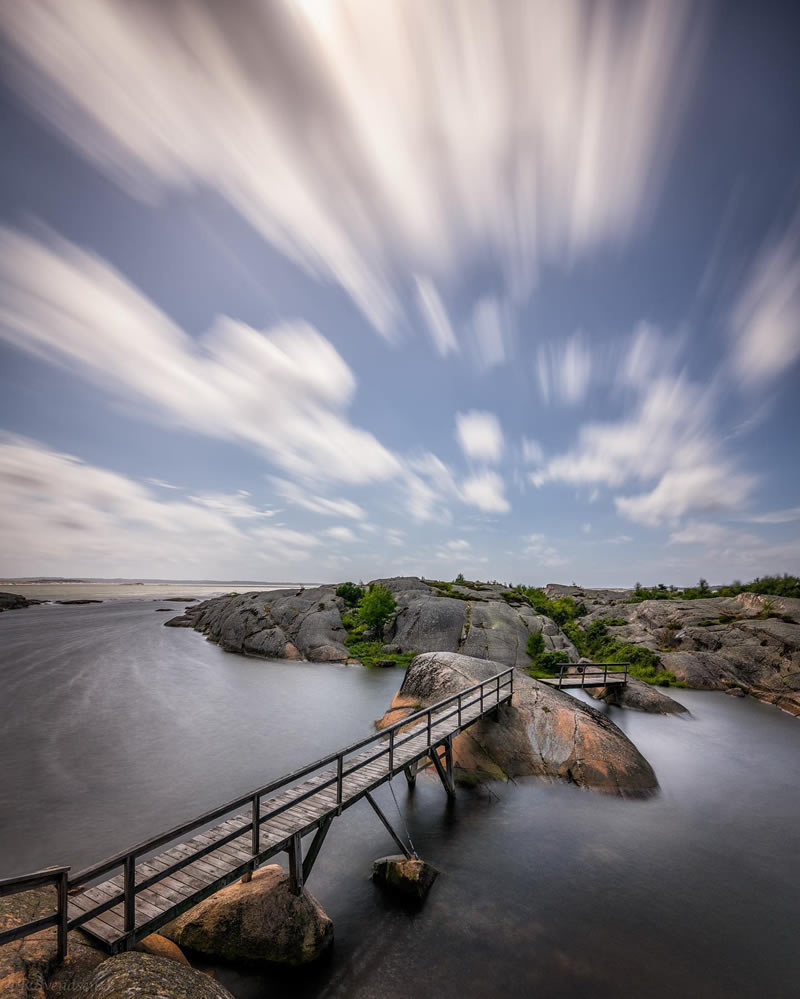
x=316 y=846
x=411 y=773
x=445 y=775
x=388 y=825
x=295 y=852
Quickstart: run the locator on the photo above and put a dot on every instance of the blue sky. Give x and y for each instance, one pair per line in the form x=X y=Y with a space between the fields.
x=313 y=290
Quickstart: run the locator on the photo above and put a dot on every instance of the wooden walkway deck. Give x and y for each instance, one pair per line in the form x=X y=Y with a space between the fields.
x=154 y=887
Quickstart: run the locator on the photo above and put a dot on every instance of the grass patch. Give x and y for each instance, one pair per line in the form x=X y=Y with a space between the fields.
x=370 y=652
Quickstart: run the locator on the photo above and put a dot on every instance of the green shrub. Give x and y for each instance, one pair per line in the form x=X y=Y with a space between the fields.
x=351 y=593
x=377 y=606
x=459 y=578
x=535 y=646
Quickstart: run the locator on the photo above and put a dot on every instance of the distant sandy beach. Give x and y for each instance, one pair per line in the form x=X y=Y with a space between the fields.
x=132 y=590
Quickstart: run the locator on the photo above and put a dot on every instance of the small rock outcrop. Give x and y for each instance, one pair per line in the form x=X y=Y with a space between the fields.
x=134 y=975
x=410 y=878
x=15 y=601
x=638 y=696
x=543 y=732
x=260 y=920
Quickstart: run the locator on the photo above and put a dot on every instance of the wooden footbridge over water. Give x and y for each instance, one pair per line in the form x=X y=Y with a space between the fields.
x=154 y=887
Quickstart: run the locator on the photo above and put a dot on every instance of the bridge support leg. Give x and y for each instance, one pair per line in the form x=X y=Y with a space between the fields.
x=316 y=846
x=411 y=773
x=445 y=772
x=388 y=825
x=296 y=878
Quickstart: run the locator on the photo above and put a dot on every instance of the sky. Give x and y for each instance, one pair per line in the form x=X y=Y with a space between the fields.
x=316 y=290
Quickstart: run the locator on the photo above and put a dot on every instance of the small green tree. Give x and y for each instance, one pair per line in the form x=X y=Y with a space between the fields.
x=459 y=578
x=703 y=586
x=350 y=593
x=377 y=606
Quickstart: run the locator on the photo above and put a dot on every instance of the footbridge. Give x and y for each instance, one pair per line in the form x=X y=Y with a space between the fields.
x=588 y=675
x=161 y=878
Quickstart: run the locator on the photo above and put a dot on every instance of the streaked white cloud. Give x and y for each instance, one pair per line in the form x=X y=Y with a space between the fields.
x=766 y=318
x=479 y=435
x=490 y=332
x=337 y=507
x=486 y=491
x=532 y=452
x=435 y=316
x=366 y=141
x=235 y=505
x=63 y=516
x=537 y=547
x=341 y=534
x=774 y=517
x=564 y=370
x=284 y=392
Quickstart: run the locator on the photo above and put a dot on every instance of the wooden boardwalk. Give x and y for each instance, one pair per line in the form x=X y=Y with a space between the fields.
x=155 y=885
x=590 y=675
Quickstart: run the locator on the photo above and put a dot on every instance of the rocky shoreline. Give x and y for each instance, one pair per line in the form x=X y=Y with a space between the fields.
x=748 y=644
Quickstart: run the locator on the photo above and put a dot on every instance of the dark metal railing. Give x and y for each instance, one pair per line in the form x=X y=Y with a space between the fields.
x=489 y=694
x=592 y=671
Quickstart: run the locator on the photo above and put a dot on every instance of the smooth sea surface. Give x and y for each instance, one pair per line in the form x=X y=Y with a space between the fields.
x=114 y=728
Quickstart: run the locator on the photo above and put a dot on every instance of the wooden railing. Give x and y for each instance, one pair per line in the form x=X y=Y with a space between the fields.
x=592 y=672
x=489 y=694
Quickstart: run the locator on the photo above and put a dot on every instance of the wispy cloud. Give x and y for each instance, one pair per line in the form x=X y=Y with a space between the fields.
x=479 y=435
x=387 y=150
x=62 y=515
x=284 y=392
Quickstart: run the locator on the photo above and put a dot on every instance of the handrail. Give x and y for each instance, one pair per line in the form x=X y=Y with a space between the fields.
x=57 y=876
x=585 y=671
x=127 y=858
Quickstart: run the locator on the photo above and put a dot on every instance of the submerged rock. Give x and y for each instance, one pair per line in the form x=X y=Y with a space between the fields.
x=409 y=877
x=134 y=975
x=260 y=920
x=543 y=732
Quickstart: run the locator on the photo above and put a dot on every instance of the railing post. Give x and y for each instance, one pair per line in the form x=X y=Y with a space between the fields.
x=255 y=833
x=511 y=681
x=63 y=882
x=429 y=728
x=497 y=692
x=339 y=782
x=459 y=709
x=130 y=893
x=391 y=751
x=481 y=697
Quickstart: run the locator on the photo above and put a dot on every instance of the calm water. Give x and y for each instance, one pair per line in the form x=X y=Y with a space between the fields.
x=116 y=727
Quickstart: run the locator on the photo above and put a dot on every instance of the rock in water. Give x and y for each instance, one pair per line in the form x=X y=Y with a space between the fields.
x=258 y=921
x=543 y=732
x=134 y=975
x=639 y=696
x=13 y=601
x=410 y=877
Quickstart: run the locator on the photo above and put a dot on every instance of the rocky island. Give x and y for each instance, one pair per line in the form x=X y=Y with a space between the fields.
x=748 y=644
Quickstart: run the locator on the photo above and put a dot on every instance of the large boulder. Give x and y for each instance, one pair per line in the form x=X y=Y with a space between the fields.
x=543 y=732
x=144 y=976
x=259 y=920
